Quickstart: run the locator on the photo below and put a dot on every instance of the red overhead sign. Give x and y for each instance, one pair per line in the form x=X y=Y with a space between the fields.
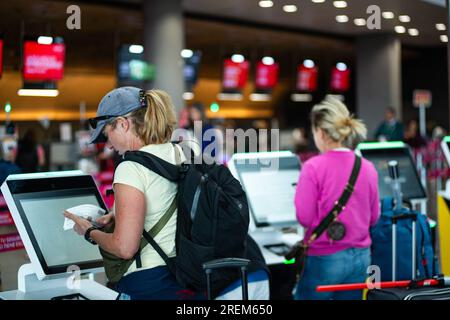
x=266 y=75
x=43 y=62
x=306 y=78
x=10 y=242
x=340 y=80
x=422 y=98
x=235 y=74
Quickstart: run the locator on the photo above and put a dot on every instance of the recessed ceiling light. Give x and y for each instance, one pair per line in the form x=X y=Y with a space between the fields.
x=342 y=18
x=308 y=63
x=290 y=8
x=45 y=40
x=404 y=18
x=359 y=22
x=400 y=29
x=413 y=32
x=340 y=4
x=268 y=60
x=318 y=1
x=388 y=15
x=237 y=58
x=444 y=38
x=187 y=53
x=341 y=66
x=136 y=48
x=265 y=4
x=440 y=26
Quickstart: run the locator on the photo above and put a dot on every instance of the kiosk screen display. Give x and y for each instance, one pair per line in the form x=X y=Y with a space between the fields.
x=270 y=193
x=41 y=204
x=410 y=183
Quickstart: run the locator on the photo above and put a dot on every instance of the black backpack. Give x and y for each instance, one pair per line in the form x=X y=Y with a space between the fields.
x=212 y=222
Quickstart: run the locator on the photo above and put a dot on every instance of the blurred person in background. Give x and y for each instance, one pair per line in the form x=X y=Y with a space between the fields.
x=412 y=135
x=7 y=167
x=30 y=156
x=390 y=129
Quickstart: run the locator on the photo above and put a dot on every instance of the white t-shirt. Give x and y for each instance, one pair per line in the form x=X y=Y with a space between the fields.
x=159 y=194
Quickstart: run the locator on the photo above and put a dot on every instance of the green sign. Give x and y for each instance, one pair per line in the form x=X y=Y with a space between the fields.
x=380 y=145
x=141 y=70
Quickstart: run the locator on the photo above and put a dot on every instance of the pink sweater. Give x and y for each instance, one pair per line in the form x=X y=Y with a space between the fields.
x=321 y=183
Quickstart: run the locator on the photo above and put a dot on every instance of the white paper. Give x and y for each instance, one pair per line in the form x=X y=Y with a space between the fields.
x=87 y=211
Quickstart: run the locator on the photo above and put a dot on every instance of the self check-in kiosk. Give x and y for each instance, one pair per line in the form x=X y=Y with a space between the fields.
x=59 y=258
x=269 y=180
x=380 y=153
x=444 y=216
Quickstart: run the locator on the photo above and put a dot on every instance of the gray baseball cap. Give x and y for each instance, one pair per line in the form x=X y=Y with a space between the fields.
x=117 y=102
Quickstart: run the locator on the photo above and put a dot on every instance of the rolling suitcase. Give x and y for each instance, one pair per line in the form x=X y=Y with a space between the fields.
x=210 y=266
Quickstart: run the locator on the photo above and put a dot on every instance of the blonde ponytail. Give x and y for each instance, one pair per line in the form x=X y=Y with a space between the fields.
x=155 y=124
x=333 y=117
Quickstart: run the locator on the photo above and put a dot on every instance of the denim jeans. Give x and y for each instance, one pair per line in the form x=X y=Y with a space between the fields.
x=346 y=266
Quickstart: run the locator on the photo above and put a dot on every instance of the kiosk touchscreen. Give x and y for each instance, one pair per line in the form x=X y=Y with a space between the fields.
x=380 y=153
x=269 y=180
x=37 y=202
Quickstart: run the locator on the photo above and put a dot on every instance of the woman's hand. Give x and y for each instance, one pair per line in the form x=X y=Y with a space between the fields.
x=105 y=220
x=81 y=224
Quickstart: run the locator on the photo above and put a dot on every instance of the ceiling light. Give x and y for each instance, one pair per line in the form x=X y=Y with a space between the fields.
x=187 y=53
x=45 y=40
x=342 y=18
x=443 y=38
x=188 y=95
x=340 y=4
x=341 y=66
x=290 y=8
x=440 y=26
x=400 y=29
x=135 y=48
x=388 y=15
x=38 y=92
x=268 y=61
x=318 y=1
x=404 y=18
x=308 y=63
x=265 y=4
x=360 y=22
x=413 y=32
x=260 y=97
x=237 y=58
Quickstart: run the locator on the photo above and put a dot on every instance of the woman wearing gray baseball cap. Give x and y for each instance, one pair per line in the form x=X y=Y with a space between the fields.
x=130 y=119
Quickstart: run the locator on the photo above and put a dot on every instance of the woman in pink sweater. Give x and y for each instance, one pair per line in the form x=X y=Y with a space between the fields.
x=321 y=183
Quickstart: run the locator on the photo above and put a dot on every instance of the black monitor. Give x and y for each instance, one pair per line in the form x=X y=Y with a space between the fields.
x=380 y=153
x=37 y=204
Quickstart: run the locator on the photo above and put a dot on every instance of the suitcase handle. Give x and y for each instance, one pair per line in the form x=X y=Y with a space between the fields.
x=404 y=216
x=227 y=263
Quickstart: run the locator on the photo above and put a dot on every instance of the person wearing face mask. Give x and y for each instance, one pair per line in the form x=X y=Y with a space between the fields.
x=130 y=119
x=336 y=257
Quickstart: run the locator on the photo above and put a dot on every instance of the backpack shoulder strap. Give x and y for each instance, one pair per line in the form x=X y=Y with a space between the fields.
x=159 y=166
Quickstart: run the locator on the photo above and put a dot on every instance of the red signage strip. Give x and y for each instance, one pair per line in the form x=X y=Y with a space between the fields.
x=43 y=61
x=266 y=75
x=235 y=74
x=10 y=242
x=6 y=219
x=306 y=78
x=340 y=80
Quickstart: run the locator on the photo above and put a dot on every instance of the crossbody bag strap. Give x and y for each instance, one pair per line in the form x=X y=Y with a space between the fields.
x=340 y=204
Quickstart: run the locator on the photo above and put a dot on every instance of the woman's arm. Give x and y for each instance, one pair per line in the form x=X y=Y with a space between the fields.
x=130 y=211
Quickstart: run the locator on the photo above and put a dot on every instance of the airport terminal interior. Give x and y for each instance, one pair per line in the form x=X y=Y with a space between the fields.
x=252 y=74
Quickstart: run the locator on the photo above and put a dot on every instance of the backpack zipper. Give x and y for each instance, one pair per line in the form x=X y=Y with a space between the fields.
x=437 y=292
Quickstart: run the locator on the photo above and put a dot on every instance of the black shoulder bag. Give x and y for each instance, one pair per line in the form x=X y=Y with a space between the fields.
x=335 y=229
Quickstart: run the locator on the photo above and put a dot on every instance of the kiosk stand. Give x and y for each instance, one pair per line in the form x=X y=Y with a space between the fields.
x=60 y=260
